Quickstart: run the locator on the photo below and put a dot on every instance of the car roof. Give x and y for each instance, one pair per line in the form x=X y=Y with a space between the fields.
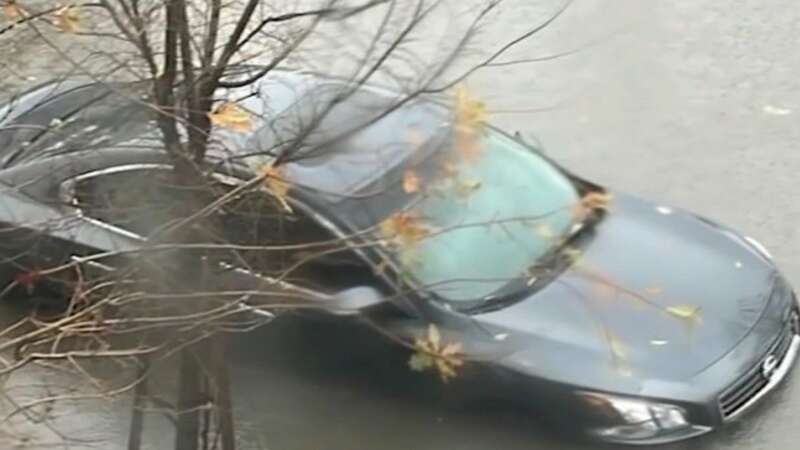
x=351 y=136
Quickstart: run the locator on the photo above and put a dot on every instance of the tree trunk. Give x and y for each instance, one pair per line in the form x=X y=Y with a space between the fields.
x=137 y=410
x=190 y=396
x=222 y=392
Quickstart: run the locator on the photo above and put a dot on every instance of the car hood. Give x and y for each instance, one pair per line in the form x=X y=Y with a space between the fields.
x=656 y=293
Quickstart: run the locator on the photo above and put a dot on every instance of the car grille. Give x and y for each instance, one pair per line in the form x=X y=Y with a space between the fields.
x=736 y=397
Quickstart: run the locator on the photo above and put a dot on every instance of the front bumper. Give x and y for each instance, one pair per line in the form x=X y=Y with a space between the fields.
x=767 y=368
x=777 y=377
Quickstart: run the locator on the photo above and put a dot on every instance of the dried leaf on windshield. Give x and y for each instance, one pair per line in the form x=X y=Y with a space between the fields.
x=432 y=353
x=404 y=229
x=13 y=10
x=591 y=202
x=403 y=232
x=469 y=146
x=68 y=19
x=470 y=124
x=449 y=169
x=544 y=231
x=470 y=112
x=275 y=181
x=411 y=182
x=233 y=117
x=463 y=189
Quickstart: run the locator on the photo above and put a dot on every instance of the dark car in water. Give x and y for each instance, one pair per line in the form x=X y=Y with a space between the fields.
x=634 y=322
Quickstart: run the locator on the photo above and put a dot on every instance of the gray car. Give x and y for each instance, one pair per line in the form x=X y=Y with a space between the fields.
x=641 y=323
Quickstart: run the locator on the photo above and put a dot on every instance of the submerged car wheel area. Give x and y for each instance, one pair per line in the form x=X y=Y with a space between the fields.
x=580 y=309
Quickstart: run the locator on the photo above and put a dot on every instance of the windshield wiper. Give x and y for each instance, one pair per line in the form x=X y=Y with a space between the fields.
x=546 y=269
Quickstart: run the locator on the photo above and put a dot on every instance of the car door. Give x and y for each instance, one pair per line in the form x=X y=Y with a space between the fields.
x=138 y=199
x=251 y=232
x=39 y=233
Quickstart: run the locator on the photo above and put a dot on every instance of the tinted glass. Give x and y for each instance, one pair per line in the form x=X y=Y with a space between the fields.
x=144 y=201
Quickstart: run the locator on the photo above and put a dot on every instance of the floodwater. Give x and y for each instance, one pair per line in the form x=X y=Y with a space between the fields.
x=692 y=103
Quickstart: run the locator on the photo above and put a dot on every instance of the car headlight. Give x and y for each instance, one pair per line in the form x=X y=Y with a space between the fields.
x=638 y=419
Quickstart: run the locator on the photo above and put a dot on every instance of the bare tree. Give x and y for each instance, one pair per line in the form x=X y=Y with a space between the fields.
x=200 y=69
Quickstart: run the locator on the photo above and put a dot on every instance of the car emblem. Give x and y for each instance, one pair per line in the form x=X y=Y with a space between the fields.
x=769 y=366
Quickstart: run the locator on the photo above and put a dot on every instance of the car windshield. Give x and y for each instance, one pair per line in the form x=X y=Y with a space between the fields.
x=488 y=222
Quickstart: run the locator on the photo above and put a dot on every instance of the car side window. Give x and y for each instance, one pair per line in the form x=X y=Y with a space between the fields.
x=140 y=201
x=144 y=201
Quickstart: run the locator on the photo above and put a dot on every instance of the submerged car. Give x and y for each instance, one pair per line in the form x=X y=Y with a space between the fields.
x=632 y=322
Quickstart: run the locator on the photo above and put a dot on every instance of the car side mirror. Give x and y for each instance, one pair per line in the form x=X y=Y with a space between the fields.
x=354 y=300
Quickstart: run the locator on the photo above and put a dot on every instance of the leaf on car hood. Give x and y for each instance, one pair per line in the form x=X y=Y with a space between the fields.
x=432 y=353
x=594 y=200
x=690 y=313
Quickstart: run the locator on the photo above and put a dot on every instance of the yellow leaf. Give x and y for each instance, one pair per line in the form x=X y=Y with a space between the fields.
x=470 y=123
x=597 y=200
x=430 y=352
x=68 y=19
x=233 y=117
x=420 y=361
x=411 y=182
x=453 y=348
x=544 y=231
x=434 y=337
x=404 y=229
x=449 y=169
x=590 y=202
x=687 y=312
x=470 y=113
x=574 y=255
x=468 y=145
x=464 y=188
x=13 y=11
x=275 y=181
